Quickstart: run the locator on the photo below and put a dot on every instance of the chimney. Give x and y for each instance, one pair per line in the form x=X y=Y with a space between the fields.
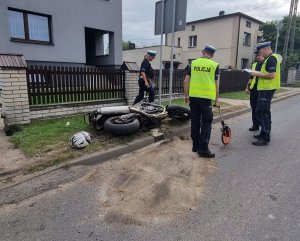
x=221 y=13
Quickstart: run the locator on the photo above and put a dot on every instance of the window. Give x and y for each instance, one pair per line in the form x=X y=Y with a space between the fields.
x=248 y=24
x=247 y=39
x=102 y=44
x=259 y=39
x=178 y=42
x=29 y=27
x=193 y=27
x=245 y=63
x=192 y=41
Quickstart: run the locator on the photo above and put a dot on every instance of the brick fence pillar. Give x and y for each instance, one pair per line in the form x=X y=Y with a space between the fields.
x=15 y=103
x=131 y=86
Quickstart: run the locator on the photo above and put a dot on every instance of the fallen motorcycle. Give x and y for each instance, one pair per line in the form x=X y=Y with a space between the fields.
x=124 y=120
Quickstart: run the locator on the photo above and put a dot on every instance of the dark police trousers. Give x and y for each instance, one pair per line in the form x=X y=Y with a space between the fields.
x=263 y=112
x=201 y=119
x=142 y=89
x=253 y=104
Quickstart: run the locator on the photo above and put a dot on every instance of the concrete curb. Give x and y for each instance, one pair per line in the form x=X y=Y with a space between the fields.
x=100 y=157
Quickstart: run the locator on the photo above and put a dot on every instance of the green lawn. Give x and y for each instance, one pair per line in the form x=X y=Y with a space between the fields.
x=238 y=95
x=178 y=101
x=295 y=85
x=241 y=95
x=50 y=140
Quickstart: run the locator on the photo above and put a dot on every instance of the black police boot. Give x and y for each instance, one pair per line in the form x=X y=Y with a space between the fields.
x=206 y=153
x=260 y=142
x=254 y=128
x=195 y=146
x=257 y=136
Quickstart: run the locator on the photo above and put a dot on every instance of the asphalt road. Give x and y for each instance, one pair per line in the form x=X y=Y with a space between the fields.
x=253 y=194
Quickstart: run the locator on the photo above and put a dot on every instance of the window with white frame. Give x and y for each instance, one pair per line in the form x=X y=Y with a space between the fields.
x=29 y=27
x=247 y=39
x=248 y=24
x=193 y=41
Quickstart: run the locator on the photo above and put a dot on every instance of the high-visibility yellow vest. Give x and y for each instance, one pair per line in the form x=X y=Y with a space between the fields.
x=254 y=78
x=202 y=82
x=269 y=84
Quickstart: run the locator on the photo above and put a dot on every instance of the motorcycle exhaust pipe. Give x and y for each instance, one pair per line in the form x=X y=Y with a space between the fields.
x=114 y=110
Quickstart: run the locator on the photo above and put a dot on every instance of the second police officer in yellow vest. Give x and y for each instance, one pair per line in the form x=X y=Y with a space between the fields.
x=201 y=87
x=268 y=81
x=252 y=88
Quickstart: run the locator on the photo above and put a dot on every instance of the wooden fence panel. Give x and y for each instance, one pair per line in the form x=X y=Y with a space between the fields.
x=229 y=81
x=57 y=85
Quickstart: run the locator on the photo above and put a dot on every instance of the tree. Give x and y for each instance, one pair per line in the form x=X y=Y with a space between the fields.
x=269 y=34
x=128 y=45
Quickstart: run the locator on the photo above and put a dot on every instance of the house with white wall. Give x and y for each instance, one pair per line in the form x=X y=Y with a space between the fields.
x=137 y=55
x=73 y=32
x=234 y=35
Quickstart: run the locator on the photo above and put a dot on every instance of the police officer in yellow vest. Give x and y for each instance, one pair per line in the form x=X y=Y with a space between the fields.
x=201 y=87
x=252 y=89
x=268 y=81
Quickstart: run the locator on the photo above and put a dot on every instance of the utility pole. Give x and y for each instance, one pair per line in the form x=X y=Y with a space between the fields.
x=278 y=29
x=287 y=35
x=294 y=26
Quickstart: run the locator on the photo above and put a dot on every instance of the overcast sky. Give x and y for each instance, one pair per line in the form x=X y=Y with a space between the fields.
x=139 y=15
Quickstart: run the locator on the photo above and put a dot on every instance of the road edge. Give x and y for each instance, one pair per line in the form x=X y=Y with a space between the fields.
x=100 y=157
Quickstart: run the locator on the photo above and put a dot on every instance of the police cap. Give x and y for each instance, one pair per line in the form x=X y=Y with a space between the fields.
x=151 y=53
x=262 y=45
x=209 y=48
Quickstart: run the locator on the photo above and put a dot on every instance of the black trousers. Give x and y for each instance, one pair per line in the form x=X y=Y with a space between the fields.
x=142 y=89
x=263 y=112
x=253 y=104
x=201 y=120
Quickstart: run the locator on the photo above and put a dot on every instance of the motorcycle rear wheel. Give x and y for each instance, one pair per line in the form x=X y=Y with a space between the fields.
x=113 y=126
x=179 y=112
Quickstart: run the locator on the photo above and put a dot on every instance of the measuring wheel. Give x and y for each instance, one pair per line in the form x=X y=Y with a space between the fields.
x=225 y=129
x=226 y=135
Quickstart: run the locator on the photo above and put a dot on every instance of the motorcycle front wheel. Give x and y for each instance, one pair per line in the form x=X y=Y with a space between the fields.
x=114 y=126
x=179 y=112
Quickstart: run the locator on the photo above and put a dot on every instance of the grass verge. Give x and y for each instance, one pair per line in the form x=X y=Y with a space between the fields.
x=241 y=95
x=48 y=141
x=294 y=85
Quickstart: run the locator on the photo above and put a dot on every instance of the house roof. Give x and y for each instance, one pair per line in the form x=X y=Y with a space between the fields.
x=12 y=61
x=226 y=16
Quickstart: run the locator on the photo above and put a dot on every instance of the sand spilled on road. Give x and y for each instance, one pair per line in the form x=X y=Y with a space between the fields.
x=154 y=183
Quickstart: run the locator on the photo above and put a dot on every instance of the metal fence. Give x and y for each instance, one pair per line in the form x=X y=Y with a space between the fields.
x=177 y=83
x=57 y=85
